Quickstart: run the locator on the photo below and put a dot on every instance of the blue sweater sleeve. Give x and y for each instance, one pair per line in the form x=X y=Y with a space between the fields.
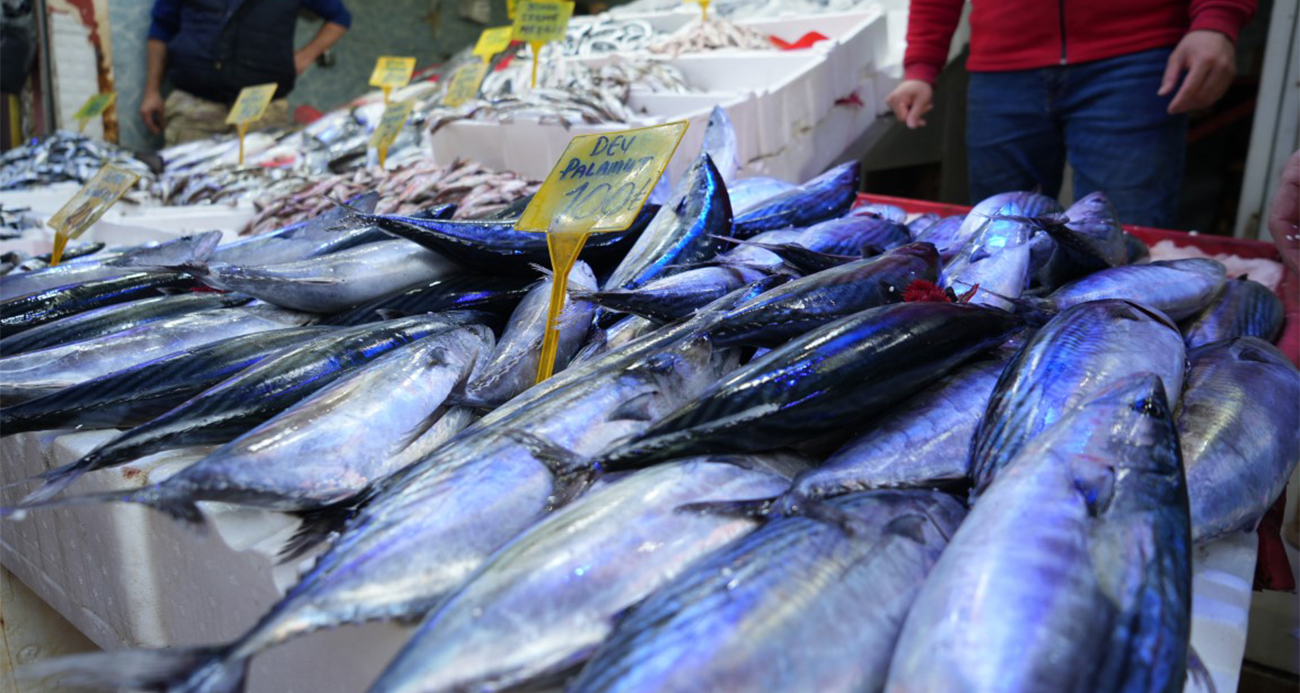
x=330 y=11
x=166 y=22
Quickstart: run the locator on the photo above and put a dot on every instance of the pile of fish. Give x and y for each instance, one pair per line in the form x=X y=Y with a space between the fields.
x=714 y=34
x=63 y=156
x=404 y=190
x=607 y=35
x=789 y=443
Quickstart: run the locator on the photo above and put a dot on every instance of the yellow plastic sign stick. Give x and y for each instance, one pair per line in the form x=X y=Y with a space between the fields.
x=392 y=72
x=390 y=124
x=248 y=108
x=88 y=205
x=465 y=83
x=704 y=8
x=493 y=41
x=606 y=177
x=510 y=9
x=93 y=108
x=538 y=23
x=564 y=242
x=599 y=184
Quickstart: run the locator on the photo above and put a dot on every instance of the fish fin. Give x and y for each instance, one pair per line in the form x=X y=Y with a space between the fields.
x=317 y=526
x=754 y=508
x=1198 y=673
x=728 y=239
x=821 y=511
x=909 y=526
x=172 y=669
x=636 y=409
x=573 y=473
x=544 y=271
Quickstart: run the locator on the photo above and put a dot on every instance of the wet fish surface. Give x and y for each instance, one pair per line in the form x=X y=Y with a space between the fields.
x=1244 y=308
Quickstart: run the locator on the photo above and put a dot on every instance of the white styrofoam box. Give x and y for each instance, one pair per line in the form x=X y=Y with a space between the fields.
x=127 y=576
x=696 y=109
x=856 y=43
x=1223 y=573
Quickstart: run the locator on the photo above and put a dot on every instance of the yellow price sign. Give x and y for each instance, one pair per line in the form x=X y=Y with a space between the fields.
x=538 y=22
x=390 y=124
x=392 y=72
x=248 y=108
x=465 y=83
x=93 y=108
x=599 y=184
x=704 y=7
x=88 y=205
x=493 y=41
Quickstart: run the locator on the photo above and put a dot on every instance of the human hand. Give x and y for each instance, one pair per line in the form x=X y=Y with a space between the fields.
x=302 y=60
x=1210 y=61
x=911 y=100
x=151 y=110
x=1284 y=214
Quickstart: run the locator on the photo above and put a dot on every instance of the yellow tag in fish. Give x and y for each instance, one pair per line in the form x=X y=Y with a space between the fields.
x=88 y=205
x=510 y=9
x=538 y=23
x=93 y=108
x=493 y=41
x=392 y=71
x=599 y=184
x=251 y=104
x=704 y=8
x=390 y=124
x=605 y=178
x=464 y=83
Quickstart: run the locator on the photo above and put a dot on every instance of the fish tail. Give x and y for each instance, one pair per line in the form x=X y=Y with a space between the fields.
x=318 y=525
x=177 y=507
x=177 y=670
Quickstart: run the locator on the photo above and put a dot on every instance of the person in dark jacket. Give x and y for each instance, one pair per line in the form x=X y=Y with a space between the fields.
x=211 y=49
x=1103 y=84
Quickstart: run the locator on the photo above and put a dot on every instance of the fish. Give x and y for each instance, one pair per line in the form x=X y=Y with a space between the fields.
x=994 y=264
x=1076 y=354
x=513 y=365
x=800 y=604
x=827 y=196
x=803 y=304
x=457 y=292
x=1073 y=571
x=676 y=295
x=118 y=262
x=1177 y=288
x=114 y=318
x=1238 y=431
x=838 y=374
x=496 y=247
x=332 y=446
x=1244 y=308
x=720 y=144
x=944 y=235
x=550 y=596
x=921 y=224
x=893 y=213
x=317 y=236
x=134 y=395
x=21 y=314
x=223 y=412
x=603 y=340
x=1091 y=234
x=34 y=373
x=685 y=230
x=1016 y=204
x=334 y=282
x=849 y=235
x=747 y=192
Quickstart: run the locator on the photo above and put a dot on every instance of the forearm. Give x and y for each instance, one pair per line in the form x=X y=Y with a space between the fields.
x=155 y=64
x=1224 y=16
x=329 y=34
x=930 y=26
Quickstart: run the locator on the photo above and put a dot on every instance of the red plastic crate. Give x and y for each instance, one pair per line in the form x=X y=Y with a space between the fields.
x=1288 y=290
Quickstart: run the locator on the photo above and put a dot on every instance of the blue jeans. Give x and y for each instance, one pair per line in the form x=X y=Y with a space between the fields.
x=1103 y=117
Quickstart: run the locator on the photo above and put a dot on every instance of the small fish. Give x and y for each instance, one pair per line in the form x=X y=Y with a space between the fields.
x=334 y=282
x=827 y=196
x=114 y=318
x=804 y=602
x=134 y=395
x=789 y=310
x=838 y=374
x=512 y=366
x=1177 y=288
x=550 y=597
x=1239 y=436
x=1073 y=570
x=686 y=230
x=22 y=314
x=1244 y=308
x=1079 y=352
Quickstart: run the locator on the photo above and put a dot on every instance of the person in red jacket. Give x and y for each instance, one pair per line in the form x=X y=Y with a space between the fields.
x=1103 y=84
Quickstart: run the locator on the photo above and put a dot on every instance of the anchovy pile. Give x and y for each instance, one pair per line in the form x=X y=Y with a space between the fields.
x=64 y=156
x=607 y=35
x=715 y=34
x=787 y=445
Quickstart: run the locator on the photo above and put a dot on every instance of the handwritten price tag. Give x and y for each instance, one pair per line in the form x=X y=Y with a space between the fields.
x=599 y=184
x=493 y=41
x=465 y=83
x=88 y=205
x=392 y=71
x=390 y=124
x=537 y=21
x=93 y=108
x=251 y=104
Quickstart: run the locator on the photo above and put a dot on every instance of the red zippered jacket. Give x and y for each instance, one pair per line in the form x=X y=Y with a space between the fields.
x=1026 y=34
